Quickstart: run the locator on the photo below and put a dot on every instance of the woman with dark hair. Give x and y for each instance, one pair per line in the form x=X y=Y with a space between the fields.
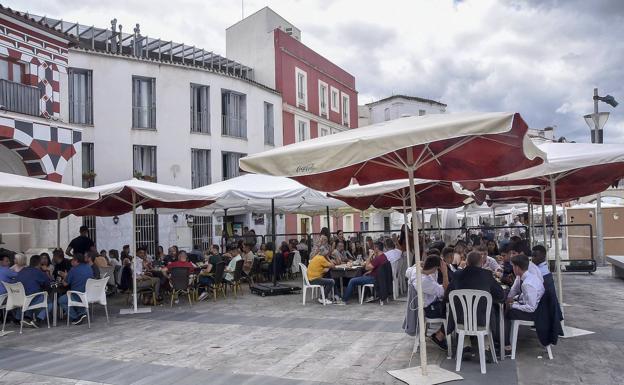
x=325 y=231
x=492 y=249
x=433 y=292
x=46 y=265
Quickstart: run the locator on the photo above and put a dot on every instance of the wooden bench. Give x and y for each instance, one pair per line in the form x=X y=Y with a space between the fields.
x=617 y=265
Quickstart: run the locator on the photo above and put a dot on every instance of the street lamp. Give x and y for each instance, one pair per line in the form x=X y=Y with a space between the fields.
x=596 y=122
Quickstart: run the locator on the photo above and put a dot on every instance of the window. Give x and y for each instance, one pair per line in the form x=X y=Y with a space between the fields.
x=202 y=231
x=302 y=87
x=230 y=164
x=144 y=163
x=200 y=167
x=200 y=109
x=363 y=224
x=346 y=115
x=89 y=221
x=80 y=96
x=143 y=102
x=269 y=125
x=421 y=112
x=147 y=232
x=335 y=100
x=323 y=131
x=234 y=114
x=11 y=70
x=323 y=98
x=347 y=223
x=387 y=113
x=302 y=127
x=386 y=224
x=88 y=165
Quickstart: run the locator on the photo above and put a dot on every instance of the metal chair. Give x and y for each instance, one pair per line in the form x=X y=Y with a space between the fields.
x=17 y=298
x=237 y=275
x=219 y=278
x=179 y=280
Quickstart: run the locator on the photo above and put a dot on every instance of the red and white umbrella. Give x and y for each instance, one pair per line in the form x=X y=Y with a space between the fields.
x=126 y=196
x=450 y=147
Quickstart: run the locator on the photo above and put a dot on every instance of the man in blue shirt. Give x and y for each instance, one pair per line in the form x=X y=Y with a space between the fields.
x=6 y=274
x=34 y=281
x=76 y=280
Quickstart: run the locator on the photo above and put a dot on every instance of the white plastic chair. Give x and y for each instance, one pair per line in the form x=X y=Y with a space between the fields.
x=362 y=291
x=515 y=325
x=469 y=300
x=17 y=298
x=95 y=292
x=443 y=321
x=307 y=285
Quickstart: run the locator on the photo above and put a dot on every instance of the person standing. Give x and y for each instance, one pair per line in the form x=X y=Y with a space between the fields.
x=81 y=244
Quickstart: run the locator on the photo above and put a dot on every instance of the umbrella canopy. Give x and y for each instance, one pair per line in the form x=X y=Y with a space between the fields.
x=254 y=192
x=450 y=147
x=384 y=195
x=120 y=197
x=41 y=199
x=578 y=169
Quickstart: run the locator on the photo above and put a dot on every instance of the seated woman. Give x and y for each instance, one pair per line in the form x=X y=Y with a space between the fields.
x=46 y=265
x=433 y=292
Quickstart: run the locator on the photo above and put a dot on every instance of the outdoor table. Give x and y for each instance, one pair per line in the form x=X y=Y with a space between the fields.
x=344 y=271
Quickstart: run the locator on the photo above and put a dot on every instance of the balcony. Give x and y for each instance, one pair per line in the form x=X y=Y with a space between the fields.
x=20 y=98
x=234 y=126
x=200 y=122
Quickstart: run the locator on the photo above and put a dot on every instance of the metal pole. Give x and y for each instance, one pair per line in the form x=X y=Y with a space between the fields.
x=58 y=229
x=407 y=243
x=599 y=229
x=438 y=220
x=273 y=232
x=530 y=220
x=544 y=221
x=421 y=311
x=422 y=222
x=328 y=225
x=133 y=250
x=553 y=195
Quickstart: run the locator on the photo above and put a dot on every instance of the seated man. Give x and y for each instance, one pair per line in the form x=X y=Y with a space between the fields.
x=433 y=292
x=529 y=290
x=371 y=266
x=76 y=280
x=172 y=255
x=34 y=281
x=144 y=278
x=539 y=259
x=516 y=248
x=90 y=258
x=474 y=277
x=248 y=258
x=508 y=276
x=60 y=263
x=448 y=256
x=487 y=262
x=340 y=255
x=181 y=262
x=234 y=252
x=393 y=253
x=214 y=256
x=6 y=274
x=318 y=267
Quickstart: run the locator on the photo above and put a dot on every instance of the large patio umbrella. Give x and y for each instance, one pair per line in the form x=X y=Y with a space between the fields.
x=572 y=170
x=448 y=147
x=126 y=196
x=395 y=193
x=41 y=199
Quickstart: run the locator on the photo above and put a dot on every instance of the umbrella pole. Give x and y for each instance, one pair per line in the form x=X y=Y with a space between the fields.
x=421 y=310
x=275 y=241
x=407 y=243
x=422 y=221
x=544 y=221
x=553 y=194
x=328 y=225
x=530 y=218
x=133 y=250
x=58 y=229
x=438 y=220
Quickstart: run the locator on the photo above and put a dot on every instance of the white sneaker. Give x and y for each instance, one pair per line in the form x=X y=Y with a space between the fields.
x=320 y=300
x=203 y=296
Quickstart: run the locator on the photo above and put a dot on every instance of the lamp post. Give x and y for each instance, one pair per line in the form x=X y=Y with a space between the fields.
x=596 y=122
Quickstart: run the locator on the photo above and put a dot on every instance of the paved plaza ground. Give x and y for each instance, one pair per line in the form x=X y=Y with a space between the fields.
x=276 y=340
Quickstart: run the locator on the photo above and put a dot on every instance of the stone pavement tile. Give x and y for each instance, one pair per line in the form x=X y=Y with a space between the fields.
x=21 y=378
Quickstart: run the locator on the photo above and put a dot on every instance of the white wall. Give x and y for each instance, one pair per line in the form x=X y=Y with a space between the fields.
x=399 y=107
x=114 y=137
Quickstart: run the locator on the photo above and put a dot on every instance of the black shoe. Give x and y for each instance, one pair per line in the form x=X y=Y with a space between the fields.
x=441 y=343
x=80 y=320
x=467 y=353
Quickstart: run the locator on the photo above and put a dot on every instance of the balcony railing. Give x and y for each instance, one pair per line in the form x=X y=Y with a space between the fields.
x=200 y=122
x=233 y=126
x=20 y=98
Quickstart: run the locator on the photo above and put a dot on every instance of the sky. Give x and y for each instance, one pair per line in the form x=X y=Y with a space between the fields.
x=541 y=58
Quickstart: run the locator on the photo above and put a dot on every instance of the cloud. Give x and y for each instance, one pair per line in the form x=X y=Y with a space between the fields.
x=541 y=58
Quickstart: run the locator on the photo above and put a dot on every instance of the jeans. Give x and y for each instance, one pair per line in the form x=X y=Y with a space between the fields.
x=40 y=313
x=357 y=281
x=205 y=281
x=74 y=312
x=327 y=283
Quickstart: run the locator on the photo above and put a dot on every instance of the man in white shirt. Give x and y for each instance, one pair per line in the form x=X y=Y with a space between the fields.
x=516 y=249
x=229 y=269
x=393 y=253
x=539 y=259
x=525 y=294
x=433 y=292
x=145 y=279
